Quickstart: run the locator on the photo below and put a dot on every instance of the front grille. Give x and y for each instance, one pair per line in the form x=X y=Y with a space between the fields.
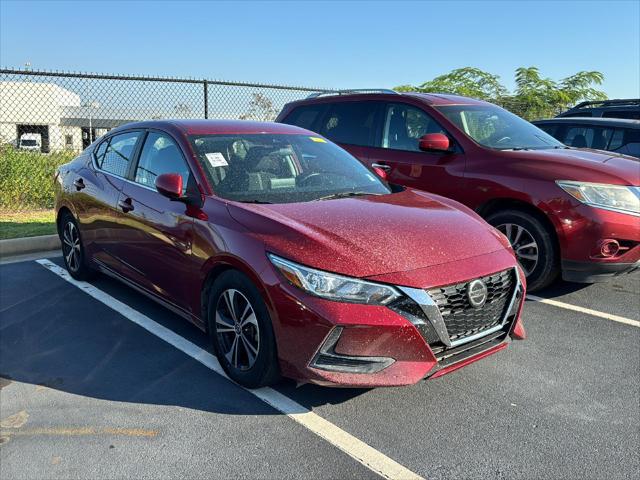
x=461 y=318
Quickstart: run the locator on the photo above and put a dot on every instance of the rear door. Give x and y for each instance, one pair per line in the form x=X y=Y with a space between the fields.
x=98 y=186
x=397 y=152
x=352 y=125
x=157 y=234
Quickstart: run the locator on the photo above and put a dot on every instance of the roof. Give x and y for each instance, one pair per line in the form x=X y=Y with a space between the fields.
x=600 y=121
x=435 y=99
x=204 y=127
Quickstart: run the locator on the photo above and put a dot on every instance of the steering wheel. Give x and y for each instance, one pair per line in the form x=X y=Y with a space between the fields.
x=304 y=179
x=503 y=139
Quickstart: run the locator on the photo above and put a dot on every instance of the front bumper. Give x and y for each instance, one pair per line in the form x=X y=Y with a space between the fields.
x=317 y=338
x=583 y=229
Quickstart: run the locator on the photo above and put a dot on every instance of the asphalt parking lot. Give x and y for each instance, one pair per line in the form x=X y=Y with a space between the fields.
x=88 y=393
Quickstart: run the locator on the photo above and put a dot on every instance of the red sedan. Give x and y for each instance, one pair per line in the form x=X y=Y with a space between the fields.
x=293 y=256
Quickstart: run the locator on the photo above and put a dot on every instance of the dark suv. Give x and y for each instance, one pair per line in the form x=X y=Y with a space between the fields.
x=613 y=134
x=563 y=209
x=628 y=108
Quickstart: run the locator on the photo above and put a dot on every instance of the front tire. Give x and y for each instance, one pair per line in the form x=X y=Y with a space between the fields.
x=73 y=251
x=241 y=331
x=533 y=244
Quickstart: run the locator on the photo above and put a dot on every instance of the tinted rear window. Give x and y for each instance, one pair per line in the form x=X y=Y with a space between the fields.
x=351 y=123
x=631 y=114
x=305 y=117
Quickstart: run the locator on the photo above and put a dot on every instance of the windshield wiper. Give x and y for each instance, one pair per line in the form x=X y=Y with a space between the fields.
x=345 y=195
x=256 y=201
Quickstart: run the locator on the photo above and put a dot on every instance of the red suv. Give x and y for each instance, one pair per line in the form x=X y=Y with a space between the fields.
x=563 y=209
x=292 y=255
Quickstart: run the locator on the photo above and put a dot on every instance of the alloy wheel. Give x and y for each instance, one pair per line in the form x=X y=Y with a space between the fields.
x=524 y=245
x=237 y=329
x=71 y=246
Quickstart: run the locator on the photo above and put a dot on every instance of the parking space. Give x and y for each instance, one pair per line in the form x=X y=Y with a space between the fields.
x=88 y=393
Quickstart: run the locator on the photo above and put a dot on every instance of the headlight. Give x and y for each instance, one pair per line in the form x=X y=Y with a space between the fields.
x=613 y=197
x=334 y=287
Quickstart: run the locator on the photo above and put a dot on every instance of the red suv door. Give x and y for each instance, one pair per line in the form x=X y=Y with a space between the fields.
x=397 y=152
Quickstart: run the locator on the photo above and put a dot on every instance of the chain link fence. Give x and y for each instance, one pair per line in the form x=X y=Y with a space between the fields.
x=53 y=112
x=47 y=117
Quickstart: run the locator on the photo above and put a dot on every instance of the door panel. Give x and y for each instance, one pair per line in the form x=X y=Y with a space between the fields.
x=398 y=153
x=96 y=188
x=156 y=233
x=155 y=242
x=442 y=174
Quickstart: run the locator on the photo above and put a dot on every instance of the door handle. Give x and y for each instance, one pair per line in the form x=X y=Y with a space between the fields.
x=126 y=205
x=79 y=184
x=381 y=166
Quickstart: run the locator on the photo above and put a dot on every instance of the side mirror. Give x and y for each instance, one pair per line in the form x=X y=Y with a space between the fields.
x=434 y=142
x=170 y=185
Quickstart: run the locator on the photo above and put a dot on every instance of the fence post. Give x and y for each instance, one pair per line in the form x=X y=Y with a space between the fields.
x=206 y=99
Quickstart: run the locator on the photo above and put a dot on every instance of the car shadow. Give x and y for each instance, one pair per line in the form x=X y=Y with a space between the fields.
x=560 y=288
x=54 y=335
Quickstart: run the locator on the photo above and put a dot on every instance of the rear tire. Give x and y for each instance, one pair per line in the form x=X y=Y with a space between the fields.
x=241 y=331
x=73 y=251
x=533 y=244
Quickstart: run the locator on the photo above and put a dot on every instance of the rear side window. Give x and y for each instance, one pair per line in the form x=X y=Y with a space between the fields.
x=352 y=123
x=116 y=156
x=404 y=125
x=305 y=117
x=588 y=137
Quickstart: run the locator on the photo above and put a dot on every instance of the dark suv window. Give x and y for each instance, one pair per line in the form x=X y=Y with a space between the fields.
x=351 y=122
x=588 y=137
x=114 y=155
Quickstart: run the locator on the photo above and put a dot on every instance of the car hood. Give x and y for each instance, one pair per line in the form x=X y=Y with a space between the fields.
x=372 y=235
x=584 y=165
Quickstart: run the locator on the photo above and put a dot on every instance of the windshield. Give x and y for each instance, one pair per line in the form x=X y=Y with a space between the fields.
x=497 y=128
x=267 y=168
x=28 y=143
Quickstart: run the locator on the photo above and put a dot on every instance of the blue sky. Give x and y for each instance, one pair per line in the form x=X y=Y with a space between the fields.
x=327 y=44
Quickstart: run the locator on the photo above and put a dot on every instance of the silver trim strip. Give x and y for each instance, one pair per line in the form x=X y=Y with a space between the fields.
x=431 y=310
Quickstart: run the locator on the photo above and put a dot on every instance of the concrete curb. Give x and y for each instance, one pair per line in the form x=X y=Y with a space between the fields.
x=20 y=246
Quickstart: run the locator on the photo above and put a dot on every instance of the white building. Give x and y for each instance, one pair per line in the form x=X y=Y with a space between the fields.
x=53 y=112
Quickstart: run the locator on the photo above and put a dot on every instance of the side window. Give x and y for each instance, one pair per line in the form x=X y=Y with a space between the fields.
x=305 y=117
x=351 y=122
x=588 y=137
x=626 y=141
x=117 y=153
x=160 y=154
x=404 y=125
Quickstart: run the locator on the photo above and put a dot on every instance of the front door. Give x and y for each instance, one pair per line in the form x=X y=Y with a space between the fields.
x=157 y=233
x=398 y=153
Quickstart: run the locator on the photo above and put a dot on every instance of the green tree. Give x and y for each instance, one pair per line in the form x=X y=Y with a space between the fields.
x=534 y=96
x=467 y=81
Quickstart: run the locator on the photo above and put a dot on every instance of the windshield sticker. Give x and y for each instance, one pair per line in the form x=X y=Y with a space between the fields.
x=216 y=159
x=318 y=139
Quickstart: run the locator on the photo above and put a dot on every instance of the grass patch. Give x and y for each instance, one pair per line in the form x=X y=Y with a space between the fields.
x=29 y=223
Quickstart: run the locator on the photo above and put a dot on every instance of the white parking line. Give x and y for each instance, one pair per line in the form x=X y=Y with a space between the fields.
x=352 y=446
x=588 y=311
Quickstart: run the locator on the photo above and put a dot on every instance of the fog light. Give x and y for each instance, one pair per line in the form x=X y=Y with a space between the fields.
x=609 y=248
